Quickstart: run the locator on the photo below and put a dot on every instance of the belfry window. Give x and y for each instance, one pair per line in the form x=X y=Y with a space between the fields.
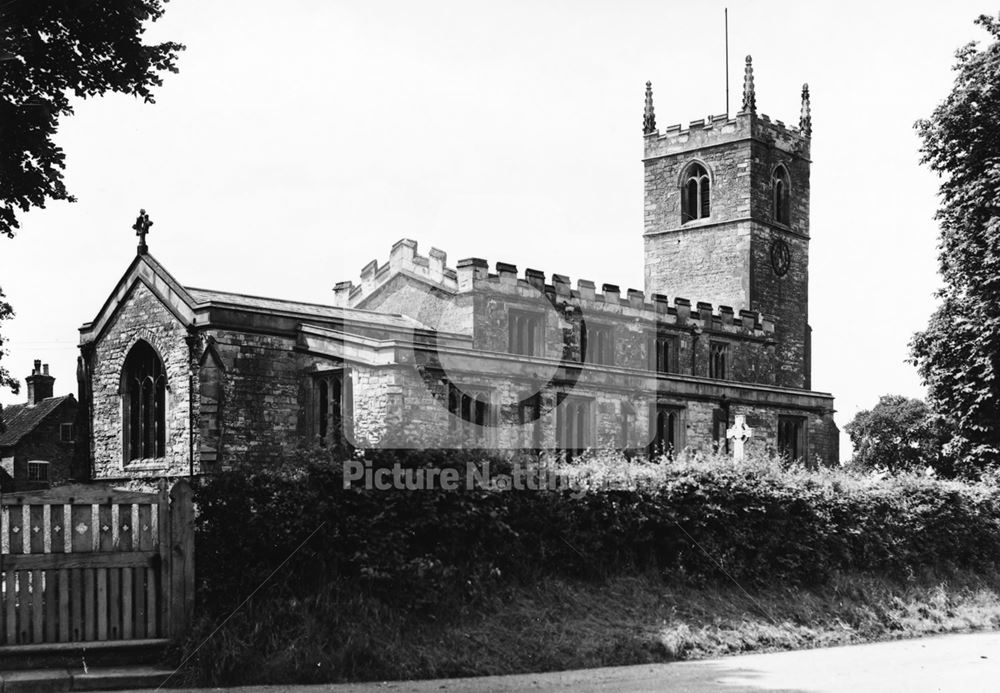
x=144 y=386
x=696 y=194
x=780 y=190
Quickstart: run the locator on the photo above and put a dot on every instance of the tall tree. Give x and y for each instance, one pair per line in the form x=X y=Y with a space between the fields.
x=898 y=434
x=51 y=51
x=6 y=380
x=958 y=355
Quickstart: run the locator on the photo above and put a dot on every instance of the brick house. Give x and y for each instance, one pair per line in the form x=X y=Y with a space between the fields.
x=37 y=437
x=177 y=380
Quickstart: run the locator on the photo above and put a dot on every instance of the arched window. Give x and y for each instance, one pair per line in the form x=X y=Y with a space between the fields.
x=780 y=188
x=144 y=384
x=696 y=194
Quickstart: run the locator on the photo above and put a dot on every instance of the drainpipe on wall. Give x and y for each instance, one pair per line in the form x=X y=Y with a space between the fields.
x=192 y=342
x=725 y=412
x=695 y=333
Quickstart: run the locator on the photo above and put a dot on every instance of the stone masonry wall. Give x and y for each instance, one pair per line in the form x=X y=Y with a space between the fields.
x=261 y=393
x=632 y=321
x=141 y=317
x=726 y=258
x=416 y=415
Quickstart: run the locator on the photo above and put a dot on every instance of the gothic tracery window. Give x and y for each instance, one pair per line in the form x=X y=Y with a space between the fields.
x=780 y=189
x=144 y=385
x=696 y=194
x=333 y=407
x=718 y=355
x=667 y=424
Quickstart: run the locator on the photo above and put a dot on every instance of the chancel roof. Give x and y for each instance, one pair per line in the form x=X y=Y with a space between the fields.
x=306 y=310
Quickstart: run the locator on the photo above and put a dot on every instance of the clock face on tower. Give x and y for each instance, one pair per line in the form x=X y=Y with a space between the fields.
x=781 y=257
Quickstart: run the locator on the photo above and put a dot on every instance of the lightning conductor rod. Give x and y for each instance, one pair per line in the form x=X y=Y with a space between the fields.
x=726 y=15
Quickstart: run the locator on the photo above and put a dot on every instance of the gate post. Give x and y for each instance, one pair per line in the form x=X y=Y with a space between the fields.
x=181 y=558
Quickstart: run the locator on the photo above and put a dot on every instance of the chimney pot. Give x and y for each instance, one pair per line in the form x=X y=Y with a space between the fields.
x=39 y=383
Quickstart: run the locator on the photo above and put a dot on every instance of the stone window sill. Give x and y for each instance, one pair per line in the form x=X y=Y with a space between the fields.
x=147 y=463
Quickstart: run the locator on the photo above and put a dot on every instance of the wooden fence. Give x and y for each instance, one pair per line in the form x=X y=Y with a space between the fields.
x=88 y=563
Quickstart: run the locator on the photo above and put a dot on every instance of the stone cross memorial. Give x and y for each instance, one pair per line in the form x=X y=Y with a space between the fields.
x=740 y=433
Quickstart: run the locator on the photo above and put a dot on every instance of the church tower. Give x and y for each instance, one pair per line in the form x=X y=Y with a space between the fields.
x=727 y=218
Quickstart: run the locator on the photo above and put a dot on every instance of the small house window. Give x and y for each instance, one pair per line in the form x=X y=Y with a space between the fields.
x=780 y=190
x=66 y=433
x=718 y=355
x=38 y=471
x=696 y=194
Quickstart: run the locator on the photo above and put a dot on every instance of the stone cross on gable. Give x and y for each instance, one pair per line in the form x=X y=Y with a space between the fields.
x=740 y=433
x=141 y=226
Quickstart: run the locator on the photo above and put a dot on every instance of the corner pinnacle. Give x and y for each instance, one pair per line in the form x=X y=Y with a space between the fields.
x=805 y=117
x=749 y=95
x=648 y=118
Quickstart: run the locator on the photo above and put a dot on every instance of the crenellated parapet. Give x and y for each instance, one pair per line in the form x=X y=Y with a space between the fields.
x=403 y=259
x=610 y=303
x=719 y=129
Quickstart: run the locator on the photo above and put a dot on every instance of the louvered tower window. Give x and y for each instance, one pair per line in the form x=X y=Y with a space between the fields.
x=696 y=194
x=780 y=188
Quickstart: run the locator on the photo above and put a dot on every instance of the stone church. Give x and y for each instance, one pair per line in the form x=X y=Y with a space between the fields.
x=177 y=380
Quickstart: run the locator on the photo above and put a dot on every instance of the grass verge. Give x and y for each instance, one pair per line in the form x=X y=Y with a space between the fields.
x=560 y=624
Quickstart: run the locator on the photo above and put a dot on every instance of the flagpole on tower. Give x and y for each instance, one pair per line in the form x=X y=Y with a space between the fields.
x=726 y=15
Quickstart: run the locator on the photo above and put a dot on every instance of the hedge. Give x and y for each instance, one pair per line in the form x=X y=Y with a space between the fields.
x=697 y=521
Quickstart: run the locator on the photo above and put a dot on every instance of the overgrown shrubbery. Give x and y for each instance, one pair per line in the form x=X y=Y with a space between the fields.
x=397 y=555
x=756 y=521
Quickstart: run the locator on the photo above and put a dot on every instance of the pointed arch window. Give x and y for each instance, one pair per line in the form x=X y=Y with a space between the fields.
x=780 y=189
x=696 y=194
x=144 y=381
x=333 y=406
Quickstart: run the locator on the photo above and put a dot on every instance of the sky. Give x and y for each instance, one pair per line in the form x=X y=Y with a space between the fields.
x=295 y=146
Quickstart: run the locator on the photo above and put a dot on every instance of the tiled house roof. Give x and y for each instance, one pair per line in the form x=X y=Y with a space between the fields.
x=22 y=419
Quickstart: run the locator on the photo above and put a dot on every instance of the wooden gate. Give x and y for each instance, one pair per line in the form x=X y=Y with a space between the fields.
x=88 y=563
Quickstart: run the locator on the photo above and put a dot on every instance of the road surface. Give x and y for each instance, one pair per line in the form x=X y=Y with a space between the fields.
x=965 y=663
